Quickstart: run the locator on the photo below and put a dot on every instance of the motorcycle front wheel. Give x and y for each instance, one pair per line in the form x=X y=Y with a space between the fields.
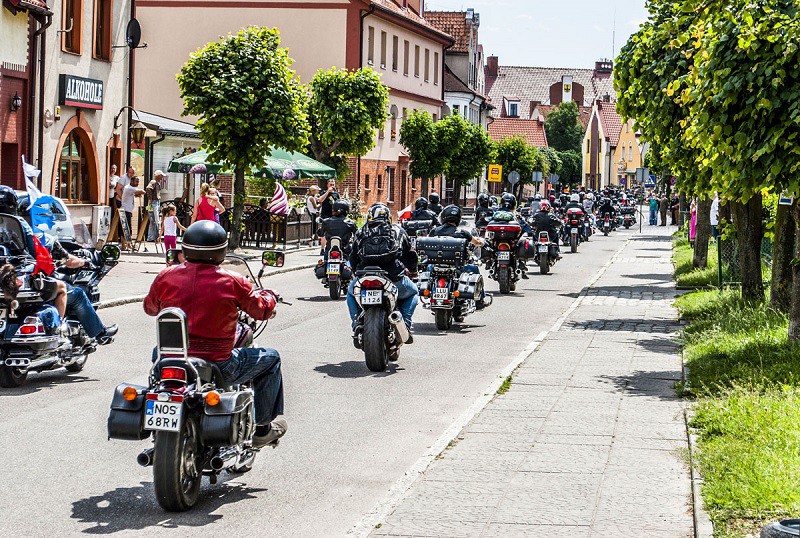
x=178 y=467
x=375 y=352
x=11 y=378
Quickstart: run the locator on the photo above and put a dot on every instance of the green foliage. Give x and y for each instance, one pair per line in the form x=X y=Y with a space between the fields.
x=564 y=131
x=472 y=157
x=514 y=154
x=570 y=170
x=433 y=145
x=685 y=274
x=245 y=96
x=344 y=109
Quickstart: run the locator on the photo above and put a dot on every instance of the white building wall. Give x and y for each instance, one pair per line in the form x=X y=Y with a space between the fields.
x=14 y=38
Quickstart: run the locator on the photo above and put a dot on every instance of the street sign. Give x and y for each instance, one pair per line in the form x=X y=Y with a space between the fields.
x=537 y=177
x=513 y=177
x=495 y=173
x=785 y=199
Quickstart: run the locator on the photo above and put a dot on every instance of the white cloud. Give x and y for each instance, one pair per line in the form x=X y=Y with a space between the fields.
x=525 y=17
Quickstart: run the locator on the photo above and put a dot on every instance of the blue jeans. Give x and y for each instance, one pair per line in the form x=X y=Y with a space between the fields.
x=653 y=217
x=262 y=366
x=79 y=306
x=407 y=299
x=154 y=230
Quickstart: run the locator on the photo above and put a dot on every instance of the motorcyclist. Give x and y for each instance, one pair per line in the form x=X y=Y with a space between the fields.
x=399 y=261
x=339 y=225
x=545 y=221
x=435 y=203
x=213 y=321
x=421 y=212
x=483 y=213
x=508 y=202
x=588 y=206
x=67 y=298
x=451 y=219
x=574 y=203
x=535 y=203
x=607 y=210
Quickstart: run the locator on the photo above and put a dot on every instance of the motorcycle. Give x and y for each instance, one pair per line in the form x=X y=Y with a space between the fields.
x=380 y=330
x=628 y=215
x=30 y=342
x=546 y=253
x=606 y=225
x=503 y=237
x=334 y=271
x=587 y=227
x=200 y=424
x=574 y=228
x=448 y=292
x=415 y=230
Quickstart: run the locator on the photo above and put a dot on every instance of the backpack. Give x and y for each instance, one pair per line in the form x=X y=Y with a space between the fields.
x=380 y=245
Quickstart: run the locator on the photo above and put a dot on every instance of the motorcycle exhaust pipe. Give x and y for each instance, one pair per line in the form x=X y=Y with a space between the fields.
x=145 y=459
x=396 y=319
x=224 y=459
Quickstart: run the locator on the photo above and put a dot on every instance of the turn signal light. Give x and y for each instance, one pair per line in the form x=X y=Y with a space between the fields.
x=129 y=393
x=426 y=293
x=212 y=398
x=457 y=293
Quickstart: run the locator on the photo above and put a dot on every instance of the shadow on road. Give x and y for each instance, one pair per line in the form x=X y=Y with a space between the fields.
x=127 y=509
x=429 y=329
x=354 y=369
x=318 y=299
x=38 y=382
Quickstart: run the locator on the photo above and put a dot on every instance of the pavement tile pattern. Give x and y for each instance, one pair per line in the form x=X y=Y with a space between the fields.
x=589 y=440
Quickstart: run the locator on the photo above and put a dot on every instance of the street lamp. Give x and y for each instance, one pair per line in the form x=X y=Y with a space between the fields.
x=138 y=130
x=16 y=102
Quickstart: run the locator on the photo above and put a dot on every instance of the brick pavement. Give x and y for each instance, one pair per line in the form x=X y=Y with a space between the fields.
x=590 y=438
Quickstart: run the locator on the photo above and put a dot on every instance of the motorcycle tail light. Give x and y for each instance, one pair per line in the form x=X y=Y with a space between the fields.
x=543 y=239
x=335 y=255
x=171 y=372
x=31 y=325
x=575 y=222
x=371 y=284
x=442 y=283
x=503 y=246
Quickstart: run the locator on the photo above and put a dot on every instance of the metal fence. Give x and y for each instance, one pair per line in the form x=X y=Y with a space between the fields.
x=728 y=269
x=262 y=229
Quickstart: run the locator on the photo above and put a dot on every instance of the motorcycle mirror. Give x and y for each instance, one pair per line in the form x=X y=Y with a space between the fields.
x=110 y=252
x=174 y=256
x=272 y=258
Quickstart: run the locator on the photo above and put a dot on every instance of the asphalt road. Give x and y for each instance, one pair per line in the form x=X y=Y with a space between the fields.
x=352 y=433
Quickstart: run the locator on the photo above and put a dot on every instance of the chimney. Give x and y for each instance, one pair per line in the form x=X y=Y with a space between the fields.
x=603 y=68
x=492 y=66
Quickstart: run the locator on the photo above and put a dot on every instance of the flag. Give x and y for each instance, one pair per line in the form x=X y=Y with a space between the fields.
x=30 y=171
x=405 y=214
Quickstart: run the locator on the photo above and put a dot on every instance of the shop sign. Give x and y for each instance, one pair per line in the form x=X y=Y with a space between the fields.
x=495 y=173
x=80 y=92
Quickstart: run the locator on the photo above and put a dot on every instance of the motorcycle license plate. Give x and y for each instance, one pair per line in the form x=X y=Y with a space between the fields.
x=503 y=256
x=542 y=248
x=372 y=297
x=574 y=231
x=334 y=269
x=163 y=416
x=413 y=242
x=441 y=294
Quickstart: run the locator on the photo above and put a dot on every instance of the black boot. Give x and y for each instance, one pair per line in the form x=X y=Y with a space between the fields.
x=107 y=336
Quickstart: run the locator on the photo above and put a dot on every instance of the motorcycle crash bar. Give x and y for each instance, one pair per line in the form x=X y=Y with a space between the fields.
x=396 y=319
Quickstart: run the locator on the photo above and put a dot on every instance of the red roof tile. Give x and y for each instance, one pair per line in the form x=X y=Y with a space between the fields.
x=585 y=114
x=409 y=14
x=611 y=121
x=531 y=130
x=453 y=23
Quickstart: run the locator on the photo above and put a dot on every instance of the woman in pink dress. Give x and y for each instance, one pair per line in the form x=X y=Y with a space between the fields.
x=693 y=222
x=205 y=206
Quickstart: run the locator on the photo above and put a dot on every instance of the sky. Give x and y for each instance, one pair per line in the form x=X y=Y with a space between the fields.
x=571 y=33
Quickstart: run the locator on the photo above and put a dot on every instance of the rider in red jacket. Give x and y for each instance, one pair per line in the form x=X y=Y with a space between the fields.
x=211 y=297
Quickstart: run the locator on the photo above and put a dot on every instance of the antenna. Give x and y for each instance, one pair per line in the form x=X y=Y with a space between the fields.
x=614 y=36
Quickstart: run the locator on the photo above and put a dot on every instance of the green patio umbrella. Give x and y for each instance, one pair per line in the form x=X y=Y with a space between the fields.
x=279 y=160
x=196 y=160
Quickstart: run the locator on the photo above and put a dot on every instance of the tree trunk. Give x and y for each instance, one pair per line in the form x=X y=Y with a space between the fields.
x=425 y=186
x=457 y=192
x=724 y=211
x=781 y=289
x=238 y=206
x=794 y=316
x=749 y=232
x=681 y=209
x=702 y=233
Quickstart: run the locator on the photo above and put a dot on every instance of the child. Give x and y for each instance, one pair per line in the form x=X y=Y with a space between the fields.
x=169 y=226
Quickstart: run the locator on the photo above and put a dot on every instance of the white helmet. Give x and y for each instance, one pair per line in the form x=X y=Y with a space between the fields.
x=590 y=196
x=574 y=198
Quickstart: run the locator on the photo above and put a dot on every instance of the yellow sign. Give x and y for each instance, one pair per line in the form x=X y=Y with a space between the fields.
x=495 y=173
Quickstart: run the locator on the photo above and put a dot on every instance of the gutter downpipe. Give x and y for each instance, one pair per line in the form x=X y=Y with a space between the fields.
x=41 y=34
x=150 y=153
x=360 y=64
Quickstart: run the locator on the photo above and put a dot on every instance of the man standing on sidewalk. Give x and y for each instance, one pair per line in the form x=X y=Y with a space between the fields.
x=663 y=207
x=153 y=191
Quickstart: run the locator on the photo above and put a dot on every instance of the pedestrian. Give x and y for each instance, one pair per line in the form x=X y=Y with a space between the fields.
x=663 y=207
x=674 y=206
x=213 y=195
x=129 y=195
x=312 y=206
x=692 y=222
x=153 y=191
x=205 y=205
x=122 y=182
x=112 y=184
x=653 y=209
x=715 y=216
x=169 y=226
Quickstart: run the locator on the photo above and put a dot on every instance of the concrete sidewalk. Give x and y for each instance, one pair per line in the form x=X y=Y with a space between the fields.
x=589 y=439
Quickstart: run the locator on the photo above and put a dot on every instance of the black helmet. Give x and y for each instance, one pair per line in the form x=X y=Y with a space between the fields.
x=379 y=212
x=508 y=201
x=205 y=241
x=434 y=198
x=340 y=207
x=421 y=203
x=483 y=200
x=9 y=201
x=493 y=200
x=452 y=215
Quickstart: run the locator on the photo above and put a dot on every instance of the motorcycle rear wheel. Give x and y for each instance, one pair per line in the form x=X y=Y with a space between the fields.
x=444 y=319
x=178 y=467
x=504 y=278
x=335 y=290
x=375 y=353
x=11 y=378
x=544 y=264
x=573 y=244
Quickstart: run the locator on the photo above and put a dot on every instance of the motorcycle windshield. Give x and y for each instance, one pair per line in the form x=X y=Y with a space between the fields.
x=82 y=235
x=238 y=265
x=12 y=237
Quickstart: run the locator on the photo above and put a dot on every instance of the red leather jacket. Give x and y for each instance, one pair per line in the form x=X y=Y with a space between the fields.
x=211 y=298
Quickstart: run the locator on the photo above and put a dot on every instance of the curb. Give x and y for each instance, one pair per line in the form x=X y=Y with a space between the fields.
x=139 y=298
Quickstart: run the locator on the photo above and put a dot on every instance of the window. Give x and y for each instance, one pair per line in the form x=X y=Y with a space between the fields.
x=371 y=46
x=72 y=26
x=389 y=181
x=406 y=56
x=405 y=113
x=455 y=110
x=436 y=68
x=103 y=9
x=395 y=51
x=435 y=117
x=393 y=127
x=513 y=109
x=416 y=61
x=383 y=50
x=366 y=182
x=73 y=171
x=380 y=182
x=427 y=65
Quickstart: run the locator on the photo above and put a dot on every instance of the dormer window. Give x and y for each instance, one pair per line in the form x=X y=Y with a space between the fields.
x=513 y=110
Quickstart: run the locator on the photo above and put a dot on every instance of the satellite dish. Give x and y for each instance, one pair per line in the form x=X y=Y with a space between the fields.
x=133 y=34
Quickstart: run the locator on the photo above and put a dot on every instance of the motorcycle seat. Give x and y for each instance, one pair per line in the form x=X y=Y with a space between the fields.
x=209 y=372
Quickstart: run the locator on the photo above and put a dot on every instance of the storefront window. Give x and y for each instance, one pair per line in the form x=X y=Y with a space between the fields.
x=73 y=171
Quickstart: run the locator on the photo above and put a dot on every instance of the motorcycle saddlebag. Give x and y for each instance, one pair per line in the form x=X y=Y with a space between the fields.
x=422 y=283
x=443 y=250
x=526 y=249
x=320 y=271
x=412 y=227
x=228 y=422
x=126 y=420
x=470 y=287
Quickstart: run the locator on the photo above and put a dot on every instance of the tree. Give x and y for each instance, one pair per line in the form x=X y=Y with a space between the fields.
x=344 y=109
x=469 y=161
x=564 y=131
x=431 y=145
x=570 y=170
x=247 y=99
x=514 y=154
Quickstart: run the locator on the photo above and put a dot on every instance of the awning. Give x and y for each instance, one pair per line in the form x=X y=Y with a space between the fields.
x=167 y=126
x=32 y=6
